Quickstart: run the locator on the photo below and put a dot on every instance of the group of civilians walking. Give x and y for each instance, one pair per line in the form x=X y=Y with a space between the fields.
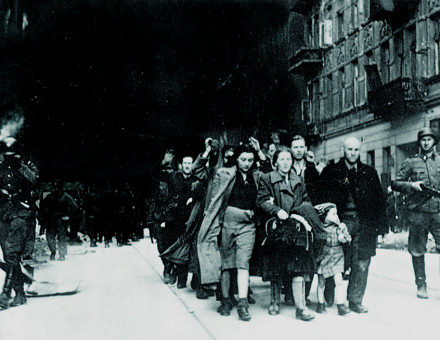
x=237 y=211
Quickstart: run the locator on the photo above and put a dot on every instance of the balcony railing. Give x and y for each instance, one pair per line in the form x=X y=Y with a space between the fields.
x=390 y=9
x=401 y=97
x=306 y=61
x=304 y=6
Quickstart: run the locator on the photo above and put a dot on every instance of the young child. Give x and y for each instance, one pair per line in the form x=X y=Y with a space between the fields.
x=332 y=264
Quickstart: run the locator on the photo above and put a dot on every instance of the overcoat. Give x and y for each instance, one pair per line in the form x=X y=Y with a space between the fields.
x=275 y=194
x=369 y=200
x=207 y=247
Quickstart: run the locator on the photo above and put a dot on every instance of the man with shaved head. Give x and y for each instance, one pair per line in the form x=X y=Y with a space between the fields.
x=355 y=188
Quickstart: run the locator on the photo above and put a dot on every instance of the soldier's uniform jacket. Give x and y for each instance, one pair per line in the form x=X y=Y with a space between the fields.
x=419 y=168
x=18 y=179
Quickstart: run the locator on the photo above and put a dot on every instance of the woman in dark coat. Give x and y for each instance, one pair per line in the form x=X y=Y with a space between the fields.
x=279 y=193
x=231 y=212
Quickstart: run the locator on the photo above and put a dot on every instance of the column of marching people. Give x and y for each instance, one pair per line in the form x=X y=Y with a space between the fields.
x=232 y=212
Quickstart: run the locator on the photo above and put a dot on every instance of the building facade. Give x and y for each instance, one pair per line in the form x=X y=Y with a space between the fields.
x=372 y=69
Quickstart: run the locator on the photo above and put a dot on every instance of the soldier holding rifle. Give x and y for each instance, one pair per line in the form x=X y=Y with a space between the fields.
x=419 y=178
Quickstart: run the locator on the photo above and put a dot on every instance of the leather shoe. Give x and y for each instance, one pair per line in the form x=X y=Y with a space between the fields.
x=422 y=293
x=166 y=278
x=52 y=257
x=202 y=294
x=173 y=278
x=304 y=314
x=226 y=307
x=358 y=308
x=181 y=285
x=274 y=308
x=243 y=310
x=19 y=299
x=342 y=309
x=4 y=301
x=320 y=308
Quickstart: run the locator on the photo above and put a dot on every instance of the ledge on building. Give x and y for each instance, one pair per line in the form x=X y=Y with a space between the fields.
x=307 y=61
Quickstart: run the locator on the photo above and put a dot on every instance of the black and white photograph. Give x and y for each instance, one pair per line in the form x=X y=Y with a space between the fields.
x=219 y=169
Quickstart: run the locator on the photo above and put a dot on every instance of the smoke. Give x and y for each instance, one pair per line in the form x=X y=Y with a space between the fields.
x=11 y=124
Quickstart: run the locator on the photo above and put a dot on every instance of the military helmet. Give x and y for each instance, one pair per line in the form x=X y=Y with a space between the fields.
x=427 y=131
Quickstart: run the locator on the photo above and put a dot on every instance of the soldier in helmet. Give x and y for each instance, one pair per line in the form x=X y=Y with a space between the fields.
x=424 y=209
x=18 y=180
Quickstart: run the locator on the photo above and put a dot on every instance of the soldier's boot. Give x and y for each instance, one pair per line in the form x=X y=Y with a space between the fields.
x=5 y=296
x=20 y=296
x=419 y=272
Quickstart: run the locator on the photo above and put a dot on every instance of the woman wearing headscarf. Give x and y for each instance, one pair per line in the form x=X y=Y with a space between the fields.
x=280 y=194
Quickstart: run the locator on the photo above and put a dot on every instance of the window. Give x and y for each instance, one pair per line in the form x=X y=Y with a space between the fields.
x=348 y=87
x=329 y=106
x=398 y=54
x=309 y=32
x=340 y=21
x=326 y=32
x=305 y=110
x=355 y=13
x=316 y=31
x=341 y=87
x=370 y=158
x=387 y=159
x=387 y=166
x=436 y=29
x=356 y=83
x=326 y=97
x=315 y=101
x=385 y=62
x=361 y=87
x=409 y=46
x=435 y=124
x=336 y=93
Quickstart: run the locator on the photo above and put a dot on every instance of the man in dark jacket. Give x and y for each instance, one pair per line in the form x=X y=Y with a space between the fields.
x=179 y=190
x=304 y=168
x=57 y=210
x=423 y=208
x=18 y=180
x=307 y=171
x=355 y=189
